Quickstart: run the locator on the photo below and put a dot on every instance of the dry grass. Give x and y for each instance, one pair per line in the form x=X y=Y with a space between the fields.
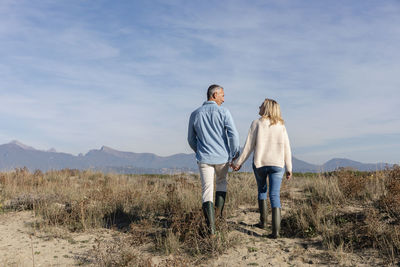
x=350 y=211
x=163 y=210
x=391 y=199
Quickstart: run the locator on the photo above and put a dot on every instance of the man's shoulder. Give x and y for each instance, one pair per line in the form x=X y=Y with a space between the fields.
x=224 y=109
x=211 y=108
x=197 y=110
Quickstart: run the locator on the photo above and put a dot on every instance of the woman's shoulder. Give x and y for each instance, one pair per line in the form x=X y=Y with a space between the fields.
x=258 y=121
x=255 y=124
x=267 y=123
x=280 y=125
x=261 y=120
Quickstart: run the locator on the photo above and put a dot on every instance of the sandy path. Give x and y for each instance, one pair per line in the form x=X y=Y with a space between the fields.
x=256 y=249
x=18 y=238
x=21 y=245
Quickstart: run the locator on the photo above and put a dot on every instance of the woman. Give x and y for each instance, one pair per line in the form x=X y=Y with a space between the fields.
x=269 y=140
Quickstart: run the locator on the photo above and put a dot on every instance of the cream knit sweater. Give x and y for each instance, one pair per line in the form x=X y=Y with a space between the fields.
x=270 y=145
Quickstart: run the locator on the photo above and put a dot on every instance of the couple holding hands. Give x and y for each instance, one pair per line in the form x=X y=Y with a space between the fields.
x=213 y=137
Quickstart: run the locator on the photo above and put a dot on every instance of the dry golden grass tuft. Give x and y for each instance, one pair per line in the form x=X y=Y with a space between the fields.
x=351 y=211
x=391 y=200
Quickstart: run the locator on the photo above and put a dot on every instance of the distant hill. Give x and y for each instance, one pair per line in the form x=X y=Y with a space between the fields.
x=336 y=163
x=16 y=155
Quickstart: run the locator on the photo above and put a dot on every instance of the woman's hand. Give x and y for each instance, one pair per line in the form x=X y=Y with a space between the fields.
x=288 y=175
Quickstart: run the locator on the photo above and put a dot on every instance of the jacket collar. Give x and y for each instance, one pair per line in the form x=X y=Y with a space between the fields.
x=209 y=103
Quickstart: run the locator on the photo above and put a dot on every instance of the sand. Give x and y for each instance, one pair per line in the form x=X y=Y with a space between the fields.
x=23 y=245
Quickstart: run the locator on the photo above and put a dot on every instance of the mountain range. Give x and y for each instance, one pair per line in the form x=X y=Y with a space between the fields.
x=17 y=155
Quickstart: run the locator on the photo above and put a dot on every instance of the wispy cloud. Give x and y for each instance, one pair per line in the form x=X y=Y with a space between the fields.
x=128 y=75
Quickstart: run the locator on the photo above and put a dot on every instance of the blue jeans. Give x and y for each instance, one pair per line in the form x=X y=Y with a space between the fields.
x=275 y=175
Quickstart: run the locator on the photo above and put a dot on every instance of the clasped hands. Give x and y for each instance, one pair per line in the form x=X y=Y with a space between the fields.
x=235 y=167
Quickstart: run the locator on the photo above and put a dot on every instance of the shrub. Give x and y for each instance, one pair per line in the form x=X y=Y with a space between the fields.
x=391 y=201
x=352 y=184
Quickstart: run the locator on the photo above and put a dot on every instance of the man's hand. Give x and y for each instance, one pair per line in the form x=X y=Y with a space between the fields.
x=288 y=175
x=235 y=157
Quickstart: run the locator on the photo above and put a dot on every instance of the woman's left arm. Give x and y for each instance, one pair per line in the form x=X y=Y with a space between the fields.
x=288 y=152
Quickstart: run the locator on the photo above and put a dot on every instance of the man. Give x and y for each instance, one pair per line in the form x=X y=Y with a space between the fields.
x=213 y=136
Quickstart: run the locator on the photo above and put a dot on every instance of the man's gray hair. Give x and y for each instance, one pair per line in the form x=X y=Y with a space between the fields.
x=212 y=89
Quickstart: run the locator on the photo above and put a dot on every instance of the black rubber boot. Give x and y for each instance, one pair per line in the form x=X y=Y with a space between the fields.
x=208 y=209
x=219 y=202
x=276 y=222
x=262 y=206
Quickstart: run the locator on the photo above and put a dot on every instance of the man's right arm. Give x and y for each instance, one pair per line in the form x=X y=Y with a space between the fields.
x=192 y=137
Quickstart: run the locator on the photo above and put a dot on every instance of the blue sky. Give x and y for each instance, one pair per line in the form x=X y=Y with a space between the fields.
x=76 y=75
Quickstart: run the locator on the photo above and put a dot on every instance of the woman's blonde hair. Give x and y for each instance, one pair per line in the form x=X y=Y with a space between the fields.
x=272 y=111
